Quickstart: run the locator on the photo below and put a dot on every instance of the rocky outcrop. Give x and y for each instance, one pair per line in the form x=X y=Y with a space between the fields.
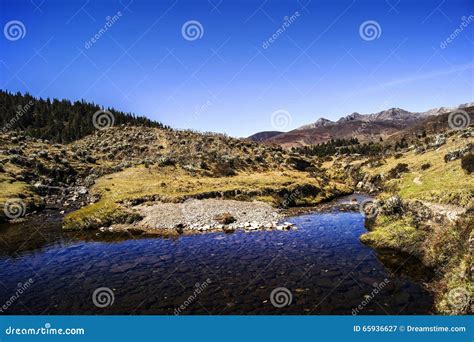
x=458 y=154
x=370 y=184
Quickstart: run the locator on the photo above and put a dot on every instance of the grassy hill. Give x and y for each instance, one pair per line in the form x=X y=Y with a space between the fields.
x=138 y=164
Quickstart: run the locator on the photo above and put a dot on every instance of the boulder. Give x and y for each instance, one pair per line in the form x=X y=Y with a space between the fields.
x=439 y=140
x=393 y=206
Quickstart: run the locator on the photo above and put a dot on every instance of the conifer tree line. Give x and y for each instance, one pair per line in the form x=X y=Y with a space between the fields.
x=342 y=146
x=60 y=121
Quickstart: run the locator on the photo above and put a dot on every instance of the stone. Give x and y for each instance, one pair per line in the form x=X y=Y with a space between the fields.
x=225 y=218
x=393 y=205
x=440 y=140
x=179 y=228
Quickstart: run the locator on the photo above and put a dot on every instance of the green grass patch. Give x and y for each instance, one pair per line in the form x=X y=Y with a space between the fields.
x=444 y=183
x=395 y=233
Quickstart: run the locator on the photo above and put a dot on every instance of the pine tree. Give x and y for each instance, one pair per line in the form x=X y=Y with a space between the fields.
x=57 y=120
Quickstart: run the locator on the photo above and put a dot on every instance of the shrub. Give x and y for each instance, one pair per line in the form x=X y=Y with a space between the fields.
x=297 y=163
x=425 y=166
x=398 y=170
x=467 y=163
x=223 y=169
x=166 y=161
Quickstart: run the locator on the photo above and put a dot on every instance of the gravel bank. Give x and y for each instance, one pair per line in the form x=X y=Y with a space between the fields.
x=206 y=215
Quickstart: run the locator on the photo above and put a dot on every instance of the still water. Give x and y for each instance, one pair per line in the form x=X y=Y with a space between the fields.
x=322 y=265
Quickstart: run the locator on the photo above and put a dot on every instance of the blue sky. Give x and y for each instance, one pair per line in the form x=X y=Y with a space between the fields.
x=320 y=65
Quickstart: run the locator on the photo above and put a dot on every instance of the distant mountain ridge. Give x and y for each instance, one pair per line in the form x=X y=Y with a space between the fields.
x=365 y=127
x=265 y=135
x=390 y=114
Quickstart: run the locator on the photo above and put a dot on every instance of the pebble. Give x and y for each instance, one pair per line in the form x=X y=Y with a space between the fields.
x=199 y=216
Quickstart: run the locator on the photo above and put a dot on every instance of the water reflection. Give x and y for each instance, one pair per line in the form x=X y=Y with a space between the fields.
x=323 y=264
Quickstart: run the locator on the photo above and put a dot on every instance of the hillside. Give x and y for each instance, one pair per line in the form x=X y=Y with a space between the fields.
x=152 y=164
x=262 y=136
x=60 y=120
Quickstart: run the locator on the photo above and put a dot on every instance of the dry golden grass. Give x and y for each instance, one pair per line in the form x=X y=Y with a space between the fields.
x=173 y=184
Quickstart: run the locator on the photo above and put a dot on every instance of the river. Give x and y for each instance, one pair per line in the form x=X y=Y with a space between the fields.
x=320 y=268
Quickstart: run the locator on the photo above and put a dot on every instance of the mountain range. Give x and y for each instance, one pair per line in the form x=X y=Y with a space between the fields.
x=365 y=127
